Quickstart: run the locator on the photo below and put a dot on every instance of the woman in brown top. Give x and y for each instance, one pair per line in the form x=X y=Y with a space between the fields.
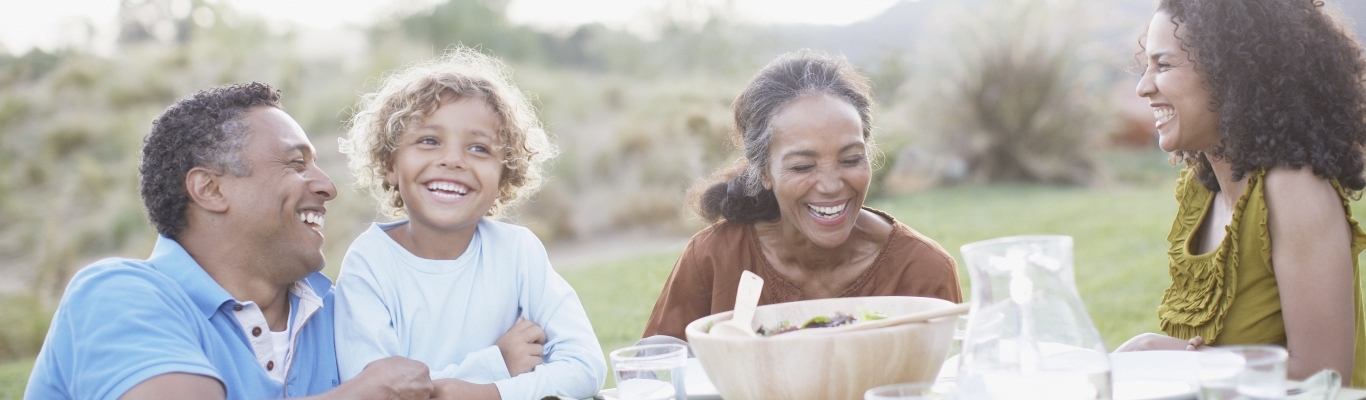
x=792 y=211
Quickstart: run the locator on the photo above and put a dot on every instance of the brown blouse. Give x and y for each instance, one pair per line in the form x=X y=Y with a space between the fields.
x=707 y=275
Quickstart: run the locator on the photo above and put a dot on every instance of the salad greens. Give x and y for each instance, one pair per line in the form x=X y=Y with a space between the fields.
x=822 y=321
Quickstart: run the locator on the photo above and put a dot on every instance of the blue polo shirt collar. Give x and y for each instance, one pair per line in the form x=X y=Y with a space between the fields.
x=320 y=285
x=172 y=259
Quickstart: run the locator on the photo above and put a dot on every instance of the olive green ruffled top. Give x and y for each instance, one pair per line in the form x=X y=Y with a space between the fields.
x=1229 y=295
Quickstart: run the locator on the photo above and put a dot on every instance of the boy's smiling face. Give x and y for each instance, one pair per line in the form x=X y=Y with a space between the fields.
x=447 y=168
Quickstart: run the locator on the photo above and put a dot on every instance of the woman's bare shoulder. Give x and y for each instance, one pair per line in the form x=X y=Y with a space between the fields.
x=1299 y=197
x=1302 y=187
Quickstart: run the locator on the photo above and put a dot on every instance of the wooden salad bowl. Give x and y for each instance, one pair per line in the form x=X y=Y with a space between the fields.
x=829 y=366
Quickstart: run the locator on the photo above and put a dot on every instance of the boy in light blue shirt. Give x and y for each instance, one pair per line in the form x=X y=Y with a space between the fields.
x=449 y=144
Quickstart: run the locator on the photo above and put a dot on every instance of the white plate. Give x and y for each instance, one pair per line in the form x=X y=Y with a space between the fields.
x=1154 y=375
x=696 y=382
x=1153 y=390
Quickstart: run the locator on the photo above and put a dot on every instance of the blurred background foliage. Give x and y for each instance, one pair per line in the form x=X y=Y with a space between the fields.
x=979 y=91
x=1027 y=101
x=968 y=91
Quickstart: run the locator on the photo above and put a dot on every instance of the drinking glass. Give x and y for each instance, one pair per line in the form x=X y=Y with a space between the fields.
x=651 y=372
x=907 y=391
x=1253 y=372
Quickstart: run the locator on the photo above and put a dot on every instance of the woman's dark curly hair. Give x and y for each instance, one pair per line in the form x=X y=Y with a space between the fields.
x=203 y=130
x=1286 y=79
x=736 y=193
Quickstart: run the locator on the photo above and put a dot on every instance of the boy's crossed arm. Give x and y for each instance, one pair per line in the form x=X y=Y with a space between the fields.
x=522 y=347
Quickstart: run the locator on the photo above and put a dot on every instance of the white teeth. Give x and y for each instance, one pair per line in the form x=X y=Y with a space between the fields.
x=312 y=218
x=831 y=211
x=1163 y=114
x=448 y=186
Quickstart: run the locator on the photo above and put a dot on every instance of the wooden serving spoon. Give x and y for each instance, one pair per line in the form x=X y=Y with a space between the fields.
x=922 y=316
x=746 y=300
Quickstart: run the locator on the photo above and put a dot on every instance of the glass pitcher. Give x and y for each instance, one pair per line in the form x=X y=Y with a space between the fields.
x=1028 y=335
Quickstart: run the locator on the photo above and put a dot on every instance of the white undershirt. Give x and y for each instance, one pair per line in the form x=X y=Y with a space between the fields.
x=272 y=349
x=281 y=340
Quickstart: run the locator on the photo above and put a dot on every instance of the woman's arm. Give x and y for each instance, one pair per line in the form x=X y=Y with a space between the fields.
x=1149 y=341
x=1312 y=260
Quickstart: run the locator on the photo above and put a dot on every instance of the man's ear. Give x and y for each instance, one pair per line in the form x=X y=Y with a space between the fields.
x=204 y=187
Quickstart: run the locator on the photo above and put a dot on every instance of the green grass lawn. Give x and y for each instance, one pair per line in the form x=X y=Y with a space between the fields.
x=1120 y=262
x=1119 y=238
x=13 y=378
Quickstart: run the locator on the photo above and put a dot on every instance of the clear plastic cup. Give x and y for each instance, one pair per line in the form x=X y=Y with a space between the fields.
x=1254 y=372
x=651 y=372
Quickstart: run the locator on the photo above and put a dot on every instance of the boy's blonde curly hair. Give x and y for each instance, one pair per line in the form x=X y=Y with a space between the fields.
x=408 y=95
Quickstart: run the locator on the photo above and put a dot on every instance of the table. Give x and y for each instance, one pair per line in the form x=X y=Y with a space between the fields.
x=1343 y=394
x=1351 y=394
x=949 y=373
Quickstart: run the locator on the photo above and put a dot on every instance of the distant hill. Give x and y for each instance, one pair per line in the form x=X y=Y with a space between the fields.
x=892 y=31
x=895 y=29
x=1353 y=10
x=900 y=25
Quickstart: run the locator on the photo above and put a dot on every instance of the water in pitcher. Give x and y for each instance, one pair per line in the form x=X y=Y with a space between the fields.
x=1028 y=335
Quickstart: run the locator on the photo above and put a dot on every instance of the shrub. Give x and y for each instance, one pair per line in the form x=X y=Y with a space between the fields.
x=1013 y=87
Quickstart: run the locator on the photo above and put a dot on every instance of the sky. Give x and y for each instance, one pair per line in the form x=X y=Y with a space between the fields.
x=51 y=24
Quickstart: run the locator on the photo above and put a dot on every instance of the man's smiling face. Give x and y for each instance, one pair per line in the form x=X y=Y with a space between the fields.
x=280 y=204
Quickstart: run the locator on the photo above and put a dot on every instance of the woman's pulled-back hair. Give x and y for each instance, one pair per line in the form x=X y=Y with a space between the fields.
x=736 y=193
x=409 y=95
x=1286 y=79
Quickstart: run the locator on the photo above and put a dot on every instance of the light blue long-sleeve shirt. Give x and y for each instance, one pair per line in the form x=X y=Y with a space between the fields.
x=449 y=313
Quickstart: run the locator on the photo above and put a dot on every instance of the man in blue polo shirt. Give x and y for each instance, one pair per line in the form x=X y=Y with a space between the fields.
x=230 y=305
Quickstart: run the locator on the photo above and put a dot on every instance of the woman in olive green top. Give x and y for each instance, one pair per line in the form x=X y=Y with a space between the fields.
x=1264 y=102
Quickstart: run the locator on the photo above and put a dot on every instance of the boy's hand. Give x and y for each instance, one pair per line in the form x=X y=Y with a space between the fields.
x=455 y=389
x=521 y=346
